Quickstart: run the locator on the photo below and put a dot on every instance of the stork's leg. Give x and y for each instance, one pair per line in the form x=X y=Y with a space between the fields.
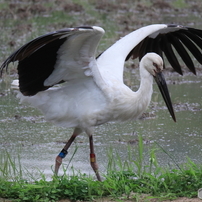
x=93 y=163
x=64 y=152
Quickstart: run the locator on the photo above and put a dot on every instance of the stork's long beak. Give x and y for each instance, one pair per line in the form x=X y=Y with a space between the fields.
x=160 y=80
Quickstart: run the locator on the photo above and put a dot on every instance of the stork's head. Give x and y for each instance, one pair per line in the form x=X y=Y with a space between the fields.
x=153 y=63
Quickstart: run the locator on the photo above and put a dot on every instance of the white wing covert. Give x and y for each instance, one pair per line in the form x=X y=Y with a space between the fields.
x=55 y=58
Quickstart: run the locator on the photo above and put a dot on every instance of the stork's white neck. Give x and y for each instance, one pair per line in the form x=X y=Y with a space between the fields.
x=130 y=105
x=145 y=90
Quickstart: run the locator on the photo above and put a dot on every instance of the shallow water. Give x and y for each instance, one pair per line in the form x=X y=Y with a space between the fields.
x=24 y=132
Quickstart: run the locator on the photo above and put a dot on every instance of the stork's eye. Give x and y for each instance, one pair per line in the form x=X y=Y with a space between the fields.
x=155 y=65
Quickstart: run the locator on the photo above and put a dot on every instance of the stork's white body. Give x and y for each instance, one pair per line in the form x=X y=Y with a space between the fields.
x=84 y=104
x=94 y=92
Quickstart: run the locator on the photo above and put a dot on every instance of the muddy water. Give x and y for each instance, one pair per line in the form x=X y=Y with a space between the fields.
x=24 y=132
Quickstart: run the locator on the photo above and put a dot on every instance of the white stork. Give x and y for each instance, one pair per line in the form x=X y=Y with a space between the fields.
x=93 y=92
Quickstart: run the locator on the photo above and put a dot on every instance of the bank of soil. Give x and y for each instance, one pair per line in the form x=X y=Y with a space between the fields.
x=183 y=199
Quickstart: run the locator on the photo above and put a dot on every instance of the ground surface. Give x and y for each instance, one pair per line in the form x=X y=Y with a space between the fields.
x=132 y=200
x=146 y=200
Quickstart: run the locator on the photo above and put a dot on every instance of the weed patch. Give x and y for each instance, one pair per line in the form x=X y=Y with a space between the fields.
x=121 y=179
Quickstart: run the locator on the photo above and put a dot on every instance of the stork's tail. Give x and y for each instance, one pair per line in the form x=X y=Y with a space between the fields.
x=15 y=84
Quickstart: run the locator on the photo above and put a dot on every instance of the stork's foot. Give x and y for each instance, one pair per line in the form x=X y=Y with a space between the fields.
x=58 y=160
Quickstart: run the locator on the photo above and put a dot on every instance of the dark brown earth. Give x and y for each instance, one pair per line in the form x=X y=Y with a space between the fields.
x=144 y=200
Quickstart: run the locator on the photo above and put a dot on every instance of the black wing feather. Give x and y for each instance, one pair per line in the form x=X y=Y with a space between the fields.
x=182 y=52
x=191 y=46
x=166 y=42
x=38 y=59
x=35 y=65
x=195 y=38
x=168 y=51
x=196 y=32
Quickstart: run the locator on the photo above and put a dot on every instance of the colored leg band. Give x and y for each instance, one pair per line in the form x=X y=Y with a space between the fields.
x=63 y=153
x=92 y=158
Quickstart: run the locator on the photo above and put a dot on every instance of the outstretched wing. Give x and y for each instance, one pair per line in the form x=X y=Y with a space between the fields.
x=55 y=57
x=168 y=40
x=171 y=40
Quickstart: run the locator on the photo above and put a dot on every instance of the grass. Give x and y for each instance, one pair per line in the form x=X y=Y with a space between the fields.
x=126 y=179
x=180 y=4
